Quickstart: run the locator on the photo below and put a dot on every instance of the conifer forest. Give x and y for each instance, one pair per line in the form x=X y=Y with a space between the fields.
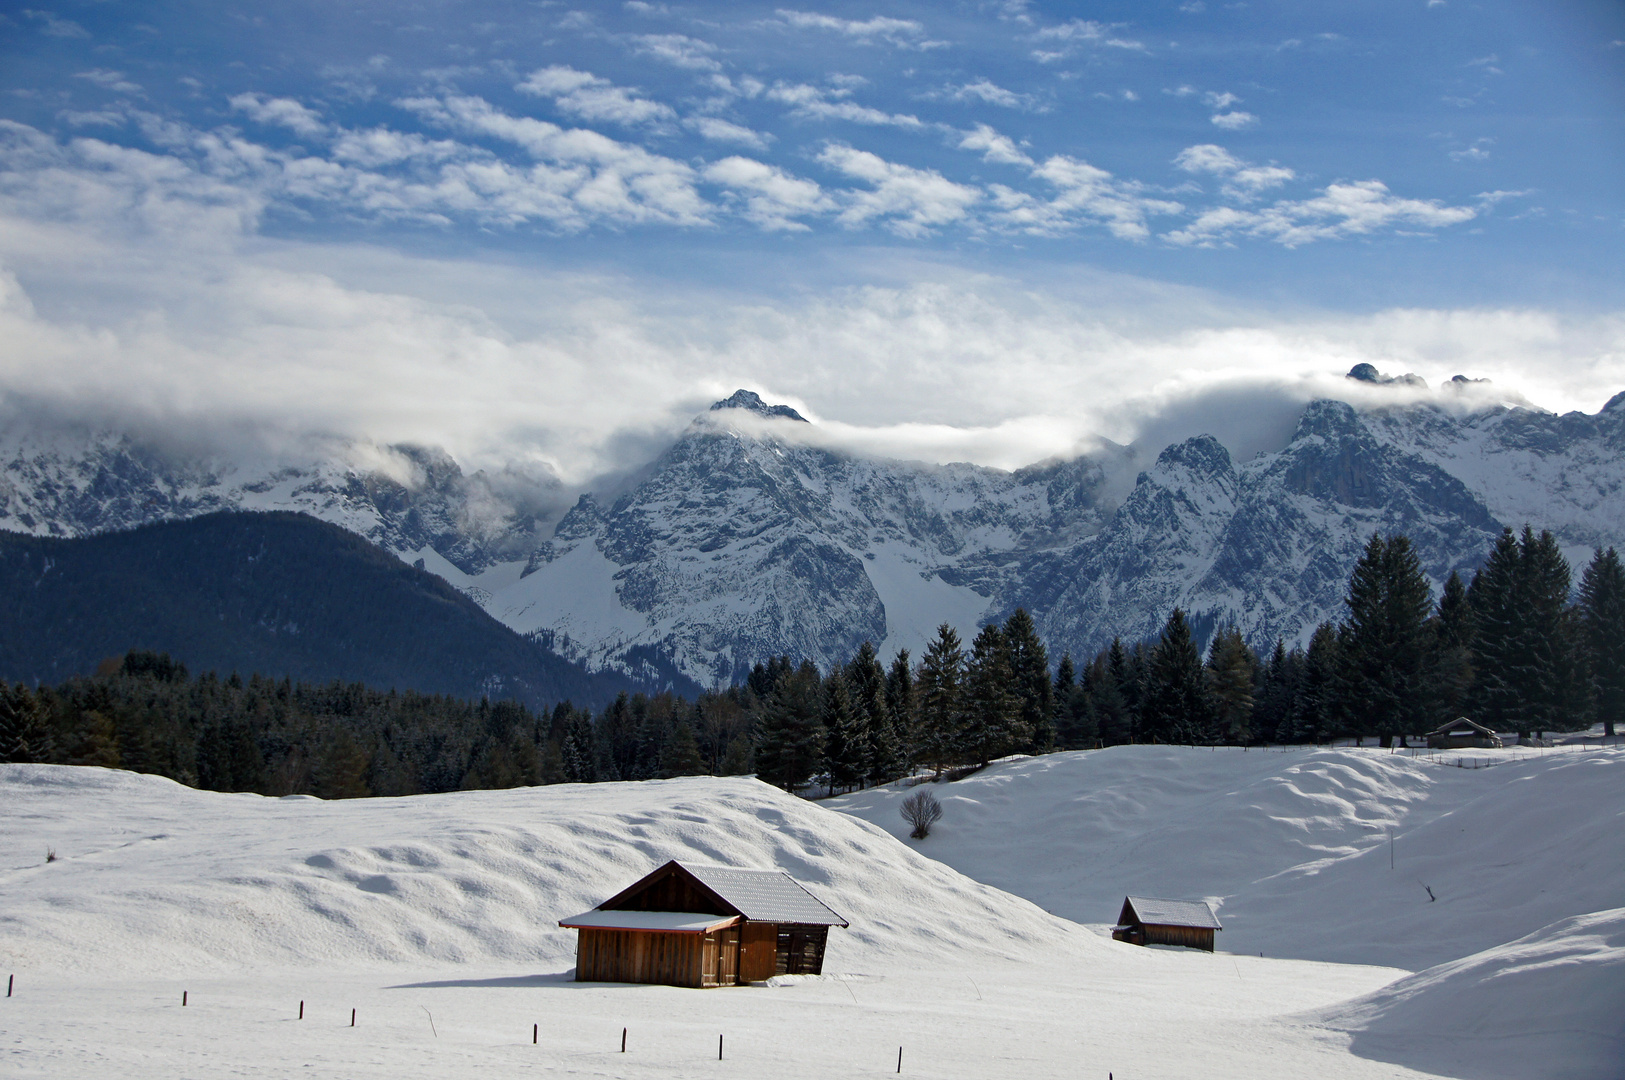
x=1521 y=647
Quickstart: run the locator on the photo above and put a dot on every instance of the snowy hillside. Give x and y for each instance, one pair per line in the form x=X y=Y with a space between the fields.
x=434 y=918
x=1289 y=844
x=190 y=880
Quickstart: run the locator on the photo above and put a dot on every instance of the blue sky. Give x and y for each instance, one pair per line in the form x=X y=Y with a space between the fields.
x=977 y=229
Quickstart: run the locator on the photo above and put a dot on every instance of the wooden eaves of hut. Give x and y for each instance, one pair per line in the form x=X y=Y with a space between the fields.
x=1462 y=733
x=703 y=926
x=1150 y=920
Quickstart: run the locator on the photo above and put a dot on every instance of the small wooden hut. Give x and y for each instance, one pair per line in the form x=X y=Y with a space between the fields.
x=703 y=926
x=1150 y=920
x=1461 y=734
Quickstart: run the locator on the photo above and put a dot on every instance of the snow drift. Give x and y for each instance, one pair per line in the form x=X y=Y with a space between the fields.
x=1292 y=846
x=153 y=876
x=1550 y=1004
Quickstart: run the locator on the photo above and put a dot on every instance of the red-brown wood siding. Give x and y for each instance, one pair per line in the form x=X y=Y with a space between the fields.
x=672 y=891
x=645 y=956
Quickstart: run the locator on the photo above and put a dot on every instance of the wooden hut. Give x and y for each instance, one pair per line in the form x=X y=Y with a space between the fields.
x=703 y=926
x=1462 y=733
x=1149 y=920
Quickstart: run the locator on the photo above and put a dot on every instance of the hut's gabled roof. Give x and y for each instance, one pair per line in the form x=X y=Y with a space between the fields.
x=765 y=895
x=1461 y=723
x=1156 y=911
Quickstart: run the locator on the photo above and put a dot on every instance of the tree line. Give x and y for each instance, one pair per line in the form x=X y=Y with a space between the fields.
x=1512 y=648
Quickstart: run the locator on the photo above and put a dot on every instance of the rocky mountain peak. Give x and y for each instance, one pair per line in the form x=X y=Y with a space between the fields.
x=1367 y=373
x=750 y=400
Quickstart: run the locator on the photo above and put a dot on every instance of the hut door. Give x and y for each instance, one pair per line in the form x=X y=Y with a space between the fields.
x=728 y=957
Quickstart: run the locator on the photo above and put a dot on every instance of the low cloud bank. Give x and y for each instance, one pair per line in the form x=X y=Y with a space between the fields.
x=202 y=334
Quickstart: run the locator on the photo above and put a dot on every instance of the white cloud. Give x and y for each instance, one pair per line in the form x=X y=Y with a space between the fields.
x=1478 y=151
x=679 y=51
x=1340 y=210
x=585 y=95
x=109 y=80
x=1215 y=100
x=1085 y=194
x=911 y=202
x=813 y=103
x=1241 y=180
x=987 y=91
x=773 y=198
x=715 y=130
x=995 y=148
x=901 y=33
x=1075 y=30
x=597 y=175
x=1234 y=121
x=52 y=26
x=203 y=332
x=382 y=146
x=282 y=112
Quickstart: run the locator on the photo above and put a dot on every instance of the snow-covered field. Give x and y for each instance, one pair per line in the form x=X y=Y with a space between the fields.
x=434 y=918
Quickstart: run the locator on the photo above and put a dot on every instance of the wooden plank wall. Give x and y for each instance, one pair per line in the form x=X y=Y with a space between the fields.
x=1189 y=936
x=674 y=892
x=640 y=957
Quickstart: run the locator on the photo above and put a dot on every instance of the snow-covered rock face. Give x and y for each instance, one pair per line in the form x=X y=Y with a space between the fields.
x=747 y=538
x=404 y=498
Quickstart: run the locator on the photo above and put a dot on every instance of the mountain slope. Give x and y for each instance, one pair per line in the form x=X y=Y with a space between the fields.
x=752 y=536
x=273 y=593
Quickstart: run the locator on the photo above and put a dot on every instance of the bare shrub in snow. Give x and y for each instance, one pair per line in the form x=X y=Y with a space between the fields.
x=921 y=810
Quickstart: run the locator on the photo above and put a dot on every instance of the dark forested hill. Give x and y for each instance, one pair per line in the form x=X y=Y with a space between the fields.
x=280 y=594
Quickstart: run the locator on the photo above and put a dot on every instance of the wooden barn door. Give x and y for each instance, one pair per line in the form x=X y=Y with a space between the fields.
x=728 y=957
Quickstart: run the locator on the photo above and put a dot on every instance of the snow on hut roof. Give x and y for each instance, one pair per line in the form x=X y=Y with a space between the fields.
x=765 y=895
x=1155 y=911
x=1461 y=723
x=674 y=922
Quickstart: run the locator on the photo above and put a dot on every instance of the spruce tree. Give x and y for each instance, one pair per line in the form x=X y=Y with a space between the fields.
x=1452 y=625
x=1175 y=709
x=901 y=709
x=1528 y=673
x=1272 y=696
x=681 y=754
x=993 y=725
x=1030 y=681
x=1230 y=674
x=1388 y=650
x=940 y=691
x=882 y=753
x=789 y=738
x=845 y=749
x=25 y=736
x=1113 y=697
x=1317 y=709
x=1602 y=610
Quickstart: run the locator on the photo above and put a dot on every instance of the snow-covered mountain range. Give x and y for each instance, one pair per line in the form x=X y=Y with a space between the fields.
x=752 y=536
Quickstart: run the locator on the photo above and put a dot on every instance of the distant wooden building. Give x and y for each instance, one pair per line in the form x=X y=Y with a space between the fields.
x=703 y=926
x=1148 y=920
x=1461 y=734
